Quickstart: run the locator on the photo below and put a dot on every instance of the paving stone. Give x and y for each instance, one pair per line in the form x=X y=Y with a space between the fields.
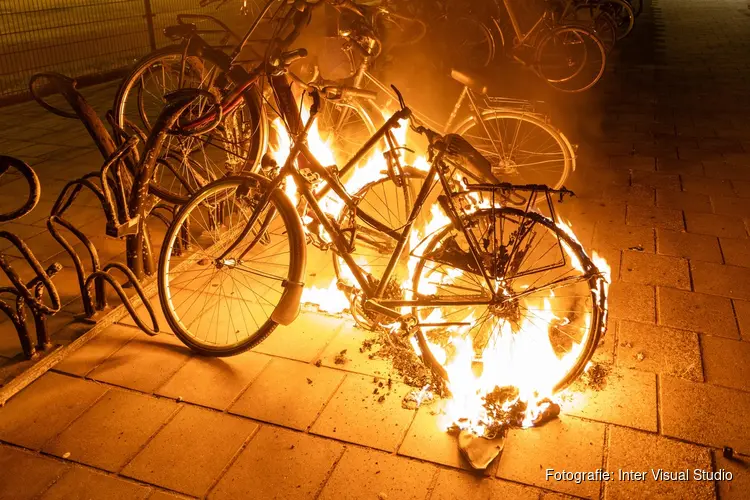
x=631 y=450
x=681 y=200
x=613 y=257
x=365 y=473
x=736 y=251
x=725 y=171
x=737 y=488
x=658 y=349
x=742 y=309
x=704 y=413
x=727 y=362
x=163 y=495
x=688 y=245
x=427 y=438
x=144 y=363
x=715 y=225
x=697 y=312
x=624 y=237
x=632 y=301
x=25 y=475
x=188 y=454
x=741 y=188
x=632 y=195
x=658 y=270
x=706 y=186
x=628 y=398
x=81 y=482
x=564 y=444
x=664 y=218
x=726 y=281
x=96 y=350
x=354 y=403
x=584 y=213
x=656 y=180
x=683 y=167
x=289 y=393
x=112 y=431
x=452 y=485
x=45 y=408
x=737 y=207
x=214 y=382
x=354 y=359
x=304 y=339
x=643 y=163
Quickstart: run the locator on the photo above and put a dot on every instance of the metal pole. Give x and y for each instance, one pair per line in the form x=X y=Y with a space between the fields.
x=149 y=16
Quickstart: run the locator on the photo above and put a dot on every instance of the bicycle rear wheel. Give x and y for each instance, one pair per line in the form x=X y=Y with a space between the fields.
x=548 y=313
x=189 y=163
x=223 y=305
x=521 y=148
x=571 y=58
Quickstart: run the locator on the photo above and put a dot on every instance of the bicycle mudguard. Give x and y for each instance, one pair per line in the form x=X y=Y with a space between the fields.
x=288 y=307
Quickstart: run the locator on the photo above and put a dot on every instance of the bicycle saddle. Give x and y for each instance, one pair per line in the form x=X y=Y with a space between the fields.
x=179 y=31
x=467 y=79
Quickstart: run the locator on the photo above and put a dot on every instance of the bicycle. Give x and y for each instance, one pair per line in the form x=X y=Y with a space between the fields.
x=478 y=278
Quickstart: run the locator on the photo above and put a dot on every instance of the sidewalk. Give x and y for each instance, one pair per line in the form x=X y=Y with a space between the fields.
x=664 y=196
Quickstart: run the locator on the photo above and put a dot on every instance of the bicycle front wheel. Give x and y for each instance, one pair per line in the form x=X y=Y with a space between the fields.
x=521 y=148
x=544 y=320
x=221 y=305
x=571 y=58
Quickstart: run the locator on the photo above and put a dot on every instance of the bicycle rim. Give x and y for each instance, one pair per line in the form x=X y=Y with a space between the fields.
x=571 y=59
x=545 y=329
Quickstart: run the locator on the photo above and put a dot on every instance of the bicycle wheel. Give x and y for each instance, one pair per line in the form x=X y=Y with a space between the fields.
x=223 y=305
x=600 y=21
x=466 y=42
x=346 y=127
x=549 y=312
x=622 y=13
x=189 y=163
x=12 y=170
x=521 y=148
x=637 y=6
x=571 y=58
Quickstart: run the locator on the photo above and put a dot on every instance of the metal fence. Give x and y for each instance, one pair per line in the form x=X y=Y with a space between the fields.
x=91 y=39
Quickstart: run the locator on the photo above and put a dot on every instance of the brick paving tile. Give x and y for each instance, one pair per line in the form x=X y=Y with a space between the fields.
x=727 y=362
x=81 y=482
x=144 y=363
x=628 y=398
x=742 y=308
x=605 y=351
x=624 y=237
x=632 y=195
x=191 y=450
x=362 y=474
x=656 y=180
x=742 y=188
x=564 y=444
x=707 y=186
x=354 y=403
x=737 y=488
x=736 y=251
x=632 y=301
x=704 y=413
x=613 y=256
x=304 y=339
x=665 y=218
x=288 y=393
x=669 y=165
x=214 y=382
x=726 y=281
x=643 y=163
x=88 y=356
x=26 y=475
x=681 y=200
x=725 y=171
x=715 y=225
x=163 y=495
x=279 y=464
x=112 y=431
x=355 y=359
x=631 y=450
x=587 y=212
x=688 y=245
x=428 y=440
x=45 y=408
x=452 y=485
x=658 y=270
x=734 y=206
x=697 y=312
x=660 y=350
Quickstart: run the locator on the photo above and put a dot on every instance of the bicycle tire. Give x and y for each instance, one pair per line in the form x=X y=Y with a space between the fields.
x=581 y=36
x=554 y=141
x=7 y=163
x=251 y=104
x=179 y=282
x=623 y=14
x=591 y=280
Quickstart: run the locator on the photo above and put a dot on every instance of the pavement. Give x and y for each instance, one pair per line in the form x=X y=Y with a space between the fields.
x=664 y=196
